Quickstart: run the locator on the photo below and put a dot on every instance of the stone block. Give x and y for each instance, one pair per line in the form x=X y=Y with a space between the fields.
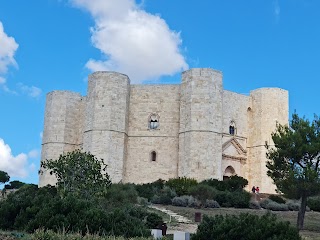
x=156 y=233
x=178 y=235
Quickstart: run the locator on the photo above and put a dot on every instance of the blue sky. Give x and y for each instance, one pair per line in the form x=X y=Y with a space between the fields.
x=48 y=45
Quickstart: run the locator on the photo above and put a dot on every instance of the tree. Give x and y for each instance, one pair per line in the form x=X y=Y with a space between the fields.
x=294 y=160
x=79 y=173
x=4 y=177
x=14 y=185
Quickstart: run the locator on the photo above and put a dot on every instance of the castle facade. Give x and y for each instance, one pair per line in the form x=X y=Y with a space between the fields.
x=145 y=132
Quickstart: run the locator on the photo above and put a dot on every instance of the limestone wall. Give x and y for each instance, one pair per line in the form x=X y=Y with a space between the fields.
x=192 y=139
x=235 y=107
x=62 y=124
x=200 y=151
x=163 y=100
x=268 y=106
x=106 y=120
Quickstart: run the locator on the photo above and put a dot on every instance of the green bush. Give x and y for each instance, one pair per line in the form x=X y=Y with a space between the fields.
x=237 y=199
x=121 y=194
x=215 y=183
x=203 y=192
x=185 y=201
x=293 y=205
x=31 y=208
x=245 y=226
x=277 y=199
x=50 y=235
x=231 y=184
x=254 y=204
x=274 y=206
x=235 y=183
x=181 y=185
x=211 y=204
x=148 y=190
x=164 y=196
x=314 y=203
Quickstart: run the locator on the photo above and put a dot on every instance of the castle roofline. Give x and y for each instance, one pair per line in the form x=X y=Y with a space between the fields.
x=108 y=72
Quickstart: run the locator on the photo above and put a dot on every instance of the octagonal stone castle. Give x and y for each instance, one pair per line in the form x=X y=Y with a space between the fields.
x=145 y=132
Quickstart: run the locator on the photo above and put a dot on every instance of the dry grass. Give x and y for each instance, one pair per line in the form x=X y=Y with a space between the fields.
x=311 y=223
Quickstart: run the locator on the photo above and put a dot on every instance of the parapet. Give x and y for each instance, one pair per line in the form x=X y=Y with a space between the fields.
x=205 y=72
x=269 y=91
x=108 y=75
x=64 y=94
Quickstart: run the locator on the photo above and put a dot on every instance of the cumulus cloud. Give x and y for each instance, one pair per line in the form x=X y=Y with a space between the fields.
x=7 y=50
x=31 y=91
x=15 y=166
x=132 y=41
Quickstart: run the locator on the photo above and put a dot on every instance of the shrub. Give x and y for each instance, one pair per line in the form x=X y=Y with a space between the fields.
x=121 y=194
x=142 y=201
x=254 y=204
x=203 y=192
x=31 y=208
x=211 y=204
x=232 y=184
x=293 y=205
x=277 y=199
x=245 y=226
x=240 y=199
x=235 y=183
x=185 y=201
x=274 y=206
x=265 y=202
x=215 y=183
x=181 y=185
x=180 y=201
x=164 y=196
x=314 y=203
x=148 y=190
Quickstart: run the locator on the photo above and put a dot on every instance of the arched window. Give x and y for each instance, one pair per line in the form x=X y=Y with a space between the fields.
x=232 y=128
x=153 y=156
x=153 y=121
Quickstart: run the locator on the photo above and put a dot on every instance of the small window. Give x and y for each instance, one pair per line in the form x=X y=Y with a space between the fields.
x=232 y=128
x=153 y=156
x=154 y=121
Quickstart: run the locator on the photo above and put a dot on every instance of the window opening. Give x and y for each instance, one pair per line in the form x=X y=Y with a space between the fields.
x=232 y=128
x=154 y=121
x=153 y=156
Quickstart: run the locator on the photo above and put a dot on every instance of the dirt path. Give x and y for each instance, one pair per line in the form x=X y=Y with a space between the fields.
x=183 y=224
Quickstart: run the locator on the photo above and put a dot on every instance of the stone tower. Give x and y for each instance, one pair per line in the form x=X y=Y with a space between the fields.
x=268 y=106
x=106 y=120
x=62 y=127
x=200 y=152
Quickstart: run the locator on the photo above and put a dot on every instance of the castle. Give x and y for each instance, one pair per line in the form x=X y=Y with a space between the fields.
x=146 y=132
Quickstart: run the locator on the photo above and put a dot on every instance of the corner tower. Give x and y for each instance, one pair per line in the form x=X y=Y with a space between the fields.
x=62 y=128
x=269 y=106
x=200 y=151
x=106 y=120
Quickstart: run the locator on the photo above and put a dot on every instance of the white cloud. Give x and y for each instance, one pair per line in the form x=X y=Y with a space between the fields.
x=15 y=166
x=132 y=41
x=7 y=50
x=35 y=153
x=31 y=91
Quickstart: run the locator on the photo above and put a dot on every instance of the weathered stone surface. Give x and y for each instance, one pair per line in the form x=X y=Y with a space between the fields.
x=192 y=138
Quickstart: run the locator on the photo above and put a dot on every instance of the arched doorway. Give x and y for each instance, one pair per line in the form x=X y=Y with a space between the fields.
x=228 y=172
